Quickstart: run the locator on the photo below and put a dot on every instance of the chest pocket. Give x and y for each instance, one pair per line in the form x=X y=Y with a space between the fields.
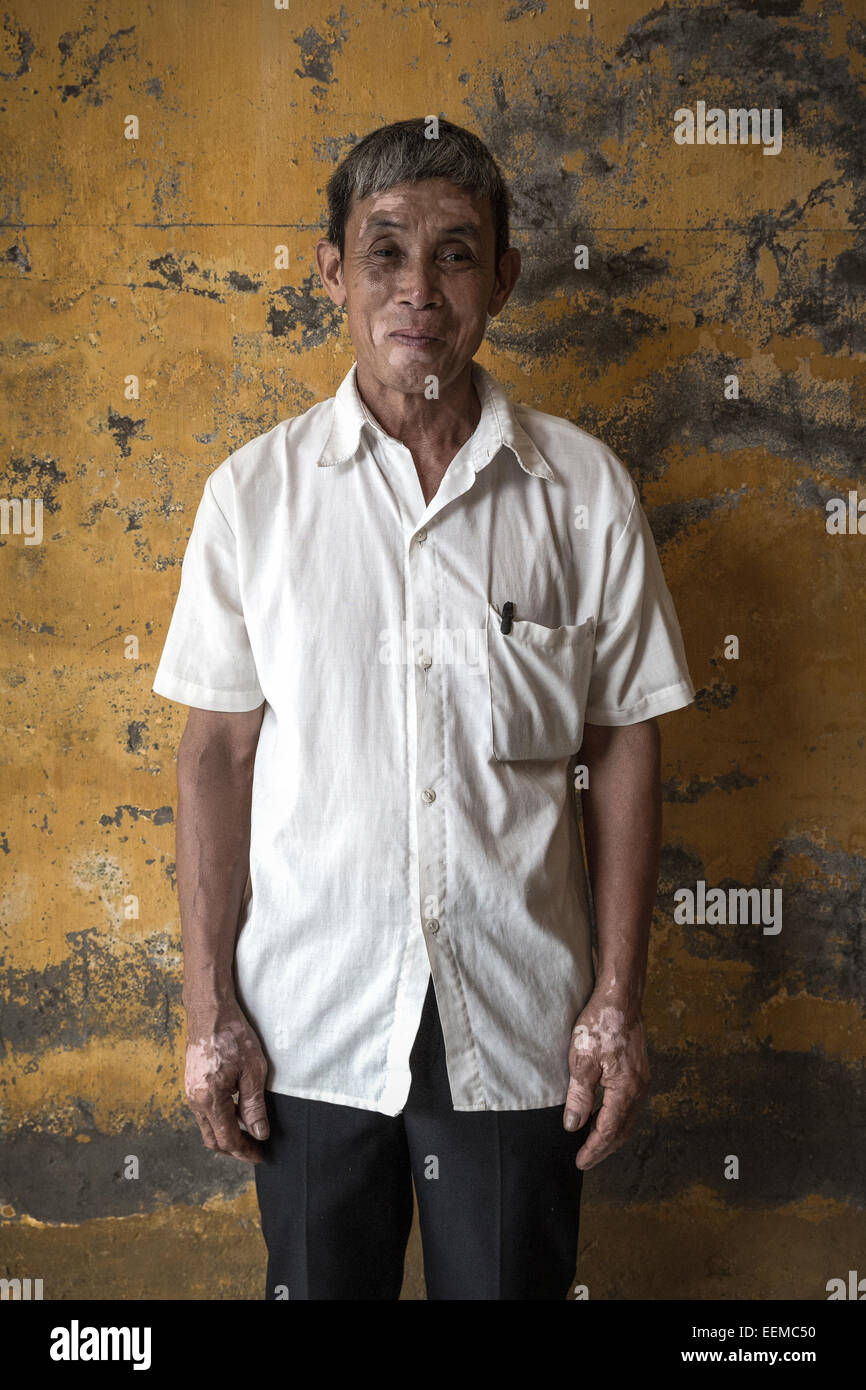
x=539 y=679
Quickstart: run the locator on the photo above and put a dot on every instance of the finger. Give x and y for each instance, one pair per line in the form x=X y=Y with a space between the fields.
x=592 y=1154
x=207 y=1133
x=251 y=1102
x=613 y=1124
x=230 y=1139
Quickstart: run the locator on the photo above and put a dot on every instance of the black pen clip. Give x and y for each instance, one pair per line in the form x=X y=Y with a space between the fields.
x=507 y=615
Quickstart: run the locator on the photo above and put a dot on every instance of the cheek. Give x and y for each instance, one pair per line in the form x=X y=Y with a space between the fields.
x=367 y=314
x=370 y=283
x=468 y=312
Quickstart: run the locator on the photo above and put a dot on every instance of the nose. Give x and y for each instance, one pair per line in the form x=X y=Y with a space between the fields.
x=419 y=282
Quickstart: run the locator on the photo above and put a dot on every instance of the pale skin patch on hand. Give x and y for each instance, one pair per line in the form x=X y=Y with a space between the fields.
x=609 y=1051
x=219 y=1064
x=607 y=1033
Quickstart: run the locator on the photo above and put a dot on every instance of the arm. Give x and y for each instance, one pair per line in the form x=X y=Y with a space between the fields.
x=622 y=831
x=214 y=776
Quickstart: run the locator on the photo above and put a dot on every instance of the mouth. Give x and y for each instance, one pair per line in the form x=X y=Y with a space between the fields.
x=412 y=339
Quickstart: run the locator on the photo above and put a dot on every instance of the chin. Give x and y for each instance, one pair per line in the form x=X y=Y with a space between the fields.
x=411 y=371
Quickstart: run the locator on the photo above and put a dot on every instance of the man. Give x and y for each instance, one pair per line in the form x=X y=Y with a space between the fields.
x=402 y=615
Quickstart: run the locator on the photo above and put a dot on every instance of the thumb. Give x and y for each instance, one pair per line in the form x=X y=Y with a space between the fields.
x=251 y=1103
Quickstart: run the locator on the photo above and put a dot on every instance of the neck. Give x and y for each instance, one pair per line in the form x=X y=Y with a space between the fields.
x=440 y=426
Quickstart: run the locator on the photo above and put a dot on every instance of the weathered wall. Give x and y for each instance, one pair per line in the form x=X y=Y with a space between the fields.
x=155 y=257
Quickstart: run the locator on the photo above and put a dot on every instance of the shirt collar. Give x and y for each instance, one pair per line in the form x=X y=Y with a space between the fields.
x=498 y=426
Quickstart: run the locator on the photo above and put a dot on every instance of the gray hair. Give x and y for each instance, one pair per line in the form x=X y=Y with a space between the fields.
x=400 y=153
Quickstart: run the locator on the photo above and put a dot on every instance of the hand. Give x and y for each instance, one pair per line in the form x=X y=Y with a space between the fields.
x=605 y=1048
x=223 y=1055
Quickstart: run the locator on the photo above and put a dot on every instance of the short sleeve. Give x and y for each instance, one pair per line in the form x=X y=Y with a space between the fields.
x=639 y=666
x=207 y=660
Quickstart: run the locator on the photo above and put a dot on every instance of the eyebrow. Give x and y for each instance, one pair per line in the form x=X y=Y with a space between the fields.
x=467 y=229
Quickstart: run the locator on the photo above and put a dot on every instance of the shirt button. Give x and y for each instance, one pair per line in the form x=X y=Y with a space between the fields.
x=433 y=925
x=428 y=795
x=422 y=535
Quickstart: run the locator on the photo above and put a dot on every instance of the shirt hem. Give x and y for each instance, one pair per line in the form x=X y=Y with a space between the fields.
x=359 y=1103
x=662 y=702
x=205 y=696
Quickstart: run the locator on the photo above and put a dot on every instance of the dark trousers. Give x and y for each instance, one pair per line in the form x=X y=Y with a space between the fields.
x=498 y=1193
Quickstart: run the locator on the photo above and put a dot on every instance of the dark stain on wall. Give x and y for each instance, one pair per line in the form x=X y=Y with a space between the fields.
x=244 y=284
x=56 y=1177
x=304 y=307
x=759 y=1103
x=104 y=987
x=77 y=54
x=318 y=52
x=17 y=256
x=34 y=477
x=720 y=695
x=671 y=520
x=18 y=49
x=163 y=815
x=674 y=790
x=180 y=273
x=820 y=947
x=123 y=428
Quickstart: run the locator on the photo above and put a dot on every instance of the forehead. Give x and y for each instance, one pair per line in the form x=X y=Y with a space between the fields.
x=428 y=200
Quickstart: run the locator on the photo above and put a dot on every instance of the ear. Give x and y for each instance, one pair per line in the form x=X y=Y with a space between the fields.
x=331 y=271
x=506 y=277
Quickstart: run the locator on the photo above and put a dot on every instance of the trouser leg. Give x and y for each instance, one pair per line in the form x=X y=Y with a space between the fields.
x=335 y=1196
x=498 y=1191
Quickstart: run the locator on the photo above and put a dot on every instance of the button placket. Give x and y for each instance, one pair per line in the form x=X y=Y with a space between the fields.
x=429 y=735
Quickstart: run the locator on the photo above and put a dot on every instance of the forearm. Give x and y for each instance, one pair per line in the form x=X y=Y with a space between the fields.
x=213 y=844
x=622 y=834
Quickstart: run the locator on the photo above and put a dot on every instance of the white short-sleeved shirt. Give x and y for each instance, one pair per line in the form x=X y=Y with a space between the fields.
x=413 y=807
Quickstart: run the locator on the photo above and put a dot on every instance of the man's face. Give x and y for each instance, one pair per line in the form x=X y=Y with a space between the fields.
x=418 y=279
